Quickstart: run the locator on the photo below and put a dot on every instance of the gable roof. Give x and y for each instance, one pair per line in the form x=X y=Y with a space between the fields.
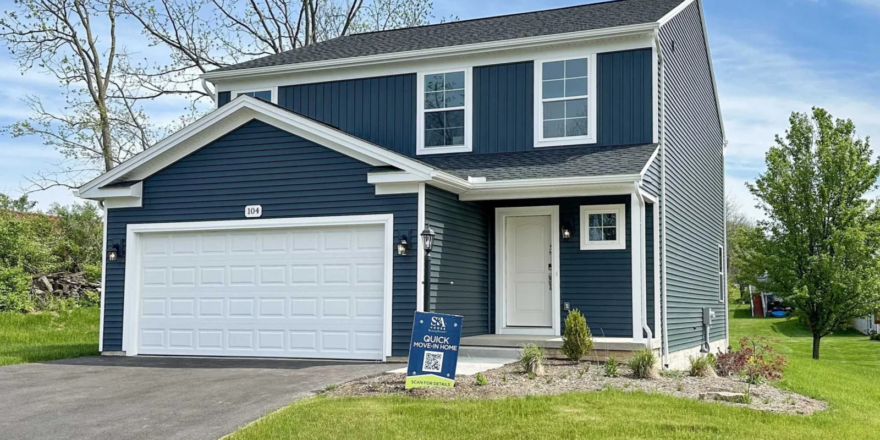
x=589 y=17
x=580 y=161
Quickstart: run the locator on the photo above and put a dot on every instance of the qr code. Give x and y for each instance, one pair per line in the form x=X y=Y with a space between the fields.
x=433 y=361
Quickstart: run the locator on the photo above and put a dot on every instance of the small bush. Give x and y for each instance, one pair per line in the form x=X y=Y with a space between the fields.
x=14 y=294
x=702 y=366
x=577 y=340
x=875 y=335
x=762 y=361
x=481 y=380
x=643 y=363
x=611 y=369
x=92 y=272
x=730 y=363
x=531 y=359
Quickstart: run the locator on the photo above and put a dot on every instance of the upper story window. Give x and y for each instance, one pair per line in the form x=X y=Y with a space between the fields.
x=265 y=95
x=444 y=120
x=565 y=103
x=603 y=227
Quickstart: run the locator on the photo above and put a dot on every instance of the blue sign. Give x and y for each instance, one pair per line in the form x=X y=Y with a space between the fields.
x=433 y=350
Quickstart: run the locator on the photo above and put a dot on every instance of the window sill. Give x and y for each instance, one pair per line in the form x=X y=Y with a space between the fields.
x=563 y=142
x=425 y=151
x=603 y=247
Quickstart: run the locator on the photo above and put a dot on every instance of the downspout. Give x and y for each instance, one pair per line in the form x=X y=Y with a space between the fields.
x=642 y=274
x=664 y=325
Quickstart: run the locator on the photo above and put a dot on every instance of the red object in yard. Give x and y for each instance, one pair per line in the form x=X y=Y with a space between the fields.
x=758 y=306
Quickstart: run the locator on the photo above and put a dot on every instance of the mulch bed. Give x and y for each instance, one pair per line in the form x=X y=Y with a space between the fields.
x=564 y=377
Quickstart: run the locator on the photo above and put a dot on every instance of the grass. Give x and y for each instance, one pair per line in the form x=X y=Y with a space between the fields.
x=845 y=377
x=48 y=336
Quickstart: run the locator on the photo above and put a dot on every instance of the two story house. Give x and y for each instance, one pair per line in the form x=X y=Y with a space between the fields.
x=563 y=159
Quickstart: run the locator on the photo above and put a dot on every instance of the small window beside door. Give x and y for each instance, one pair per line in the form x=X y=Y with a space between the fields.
x=603 y=227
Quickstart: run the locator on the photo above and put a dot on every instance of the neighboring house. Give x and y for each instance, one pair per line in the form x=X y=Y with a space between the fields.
x=867 y=325
x=569 y=158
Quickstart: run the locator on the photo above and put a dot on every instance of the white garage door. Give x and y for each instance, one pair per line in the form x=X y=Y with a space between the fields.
x=297 y=292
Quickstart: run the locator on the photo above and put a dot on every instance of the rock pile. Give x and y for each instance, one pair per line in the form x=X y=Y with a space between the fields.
x=63 y=285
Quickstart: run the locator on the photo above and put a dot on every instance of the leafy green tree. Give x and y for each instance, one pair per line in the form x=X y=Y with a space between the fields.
x=821 y=235
x=81 y=235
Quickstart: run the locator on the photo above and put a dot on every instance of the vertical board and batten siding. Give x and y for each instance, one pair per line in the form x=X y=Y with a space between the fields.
x=596 y=282
x=694 y=182
x=460 y=257
x=380 y=110
x=258 y=164
x=223 y=98
x=649 y=266
x=383 y=110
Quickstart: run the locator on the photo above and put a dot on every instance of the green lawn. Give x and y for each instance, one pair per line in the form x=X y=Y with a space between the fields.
x=846 y=377
x=48 y=335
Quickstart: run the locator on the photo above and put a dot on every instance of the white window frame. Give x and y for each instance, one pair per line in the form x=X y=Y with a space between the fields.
x=273 y=90
x=620 y=243
x=590 y=138
x=421 y=150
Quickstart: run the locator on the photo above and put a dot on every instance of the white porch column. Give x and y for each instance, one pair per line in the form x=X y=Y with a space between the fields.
x=637 y=249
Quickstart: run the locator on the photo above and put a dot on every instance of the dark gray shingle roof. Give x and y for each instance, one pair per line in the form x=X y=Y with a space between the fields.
x=506 y=27
x=547 y=163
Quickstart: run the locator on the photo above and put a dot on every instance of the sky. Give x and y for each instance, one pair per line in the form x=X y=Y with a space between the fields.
x=771 y=57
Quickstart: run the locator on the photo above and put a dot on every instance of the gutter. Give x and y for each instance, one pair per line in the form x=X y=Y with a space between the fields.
x=664 y=324
x=643 y=271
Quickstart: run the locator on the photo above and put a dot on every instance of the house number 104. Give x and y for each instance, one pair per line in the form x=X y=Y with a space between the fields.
x=252 y=211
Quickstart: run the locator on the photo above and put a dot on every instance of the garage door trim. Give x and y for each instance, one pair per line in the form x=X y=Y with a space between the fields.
x=132 y=260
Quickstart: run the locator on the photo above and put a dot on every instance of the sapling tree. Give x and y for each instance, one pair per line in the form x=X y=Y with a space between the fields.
x=821 y=237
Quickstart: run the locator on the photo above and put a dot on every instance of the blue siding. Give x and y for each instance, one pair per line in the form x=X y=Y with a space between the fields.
x=624 y=112
x=694 y=199
x=598 y=283
x=223 y=98
x=460 y=256
x=289 y=177
x=380 y=110
x=504 y=108
x=649 y=266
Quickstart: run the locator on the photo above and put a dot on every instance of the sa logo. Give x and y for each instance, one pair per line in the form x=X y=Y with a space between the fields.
x=437 y=321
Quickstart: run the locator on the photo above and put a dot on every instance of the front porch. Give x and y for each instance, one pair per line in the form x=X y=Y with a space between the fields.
x=508 y=346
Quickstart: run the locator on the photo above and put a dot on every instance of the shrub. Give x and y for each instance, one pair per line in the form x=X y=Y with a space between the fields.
x=643 y=363
x=874 y=336
x=14 y=294
x=762 y=361
x=611 y=367
x=531 y=359
x=577 y=340
x=481 y=380
x=730 y=363
x=92 y=272
x=702 y=366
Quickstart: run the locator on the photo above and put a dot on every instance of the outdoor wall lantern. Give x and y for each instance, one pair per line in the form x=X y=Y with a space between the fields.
x=566 y=231
x=428 y=237
x=402 y=245
x=114 y=252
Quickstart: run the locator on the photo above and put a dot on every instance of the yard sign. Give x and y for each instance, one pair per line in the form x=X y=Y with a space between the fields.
x=433 y=351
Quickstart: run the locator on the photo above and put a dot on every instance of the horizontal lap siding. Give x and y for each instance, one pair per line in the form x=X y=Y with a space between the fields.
x=223 y=98
x=380 y=110
x=460 y=256
x=597 y=282
x=694 y=182
x=290 y=177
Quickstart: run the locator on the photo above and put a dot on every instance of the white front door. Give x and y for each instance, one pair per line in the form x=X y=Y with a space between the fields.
x=528 y=271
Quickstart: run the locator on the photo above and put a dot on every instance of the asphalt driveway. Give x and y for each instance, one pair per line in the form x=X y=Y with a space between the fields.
x=156 y=397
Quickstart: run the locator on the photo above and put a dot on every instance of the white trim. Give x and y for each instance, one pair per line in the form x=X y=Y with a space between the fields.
x=231 y=116
x=273 y=93
x=501 y=215
x=132 y=260
x=637 y=256
x=103 y=283
x=417 y=55
x=658 y=331
x=516 y=193
x=669 y=15
x=384 y=189
x=590 y=138
x=420 y=251
x=620 y=211
x=468 y=108
x=722 y=274
x=650 y=161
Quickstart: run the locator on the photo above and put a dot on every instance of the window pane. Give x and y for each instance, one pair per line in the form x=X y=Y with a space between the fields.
x=454 y=80
x=554 y=110
x=434 y=100
x=554 y=70
x=576 y=108
x=435 y=120
x=576 y=87
x=434 y=138
x=434 y=83
x=595 y=220
x=553 y=89
x=610 y=234
x=454 y=118
x=595 y=234
x=455 y=98
x=609 y=219
x=554 y=129
x=575 y=68
x=455 y=136
x=576 y=127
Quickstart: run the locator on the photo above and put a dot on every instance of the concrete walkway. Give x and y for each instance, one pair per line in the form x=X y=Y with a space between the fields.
x=156 y=397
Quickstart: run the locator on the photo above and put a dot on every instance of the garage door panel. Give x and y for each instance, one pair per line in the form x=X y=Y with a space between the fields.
x=296 y=292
